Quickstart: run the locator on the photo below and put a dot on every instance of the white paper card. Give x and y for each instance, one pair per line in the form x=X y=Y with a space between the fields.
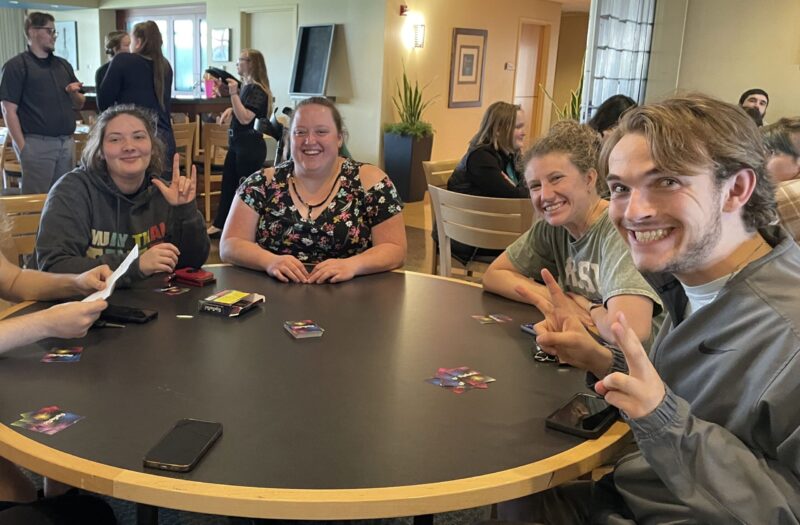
x=106 y=292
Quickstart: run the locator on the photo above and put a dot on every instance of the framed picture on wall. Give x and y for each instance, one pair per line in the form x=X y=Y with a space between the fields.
x=221 y=45
x=467 y=60
x=67 y=42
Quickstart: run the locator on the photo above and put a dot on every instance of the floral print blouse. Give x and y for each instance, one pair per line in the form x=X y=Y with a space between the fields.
x=343 y=229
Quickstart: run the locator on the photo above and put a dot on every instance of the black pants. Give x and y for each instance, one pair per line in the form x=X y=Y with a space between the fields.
x=245 y=156
x=71 y=508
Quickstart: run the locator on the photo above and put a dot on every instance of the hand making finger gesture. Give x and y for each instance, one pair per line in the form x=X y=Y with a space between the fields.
x=557 y=308
x=181 y=190
x=640 y=391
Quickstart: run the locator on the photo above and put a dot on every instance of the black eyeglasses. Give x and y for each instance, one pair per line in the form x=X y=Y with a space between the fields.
x=50 y=30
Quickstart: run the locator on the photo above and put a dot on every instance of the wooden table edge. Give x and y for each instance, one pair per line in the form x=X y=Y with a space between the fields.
x=232 y=500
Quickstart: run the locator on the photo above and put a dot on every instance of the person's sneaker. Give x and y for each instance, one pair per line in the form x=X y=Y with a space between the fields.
x=214 y=232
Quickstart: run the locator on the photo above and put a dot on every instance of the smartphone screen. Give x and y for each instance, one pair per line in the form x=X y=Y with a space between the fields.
x=182 y=447
x=584 y=415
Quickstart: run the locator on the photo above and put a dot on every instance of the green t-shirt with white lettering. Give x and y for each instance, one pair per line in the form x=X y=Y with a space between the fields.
x=597 y=266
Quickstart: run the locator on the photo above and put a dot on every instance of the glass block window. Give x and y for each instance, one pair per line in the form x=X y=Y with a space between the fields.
x=617 y=51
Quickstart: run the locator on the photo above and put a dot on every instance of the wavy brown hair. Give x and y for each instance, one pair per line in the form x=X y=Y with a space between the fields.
x=690 y=134
x=151 y=41
x=92 y=159
x=113 y=41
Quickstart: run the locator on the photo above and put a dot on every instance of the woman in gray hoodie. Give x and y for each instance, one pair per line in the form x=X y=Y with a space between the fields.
x=115 y=199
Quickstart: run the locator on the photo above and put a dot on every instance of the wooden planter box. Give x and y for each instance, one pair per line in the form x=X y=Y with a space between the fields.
x=402 y=158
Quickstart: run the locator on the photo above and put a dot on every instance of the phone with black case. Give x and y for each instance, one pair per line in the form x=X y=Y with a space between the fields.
x=125 y=314
x=585 y=416
x=184 y=445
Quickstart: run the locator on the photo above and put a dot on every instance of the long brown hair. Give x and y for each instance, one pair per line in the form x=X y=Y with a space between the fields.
x=148 y=34
x=258 y=74
x=497 y=128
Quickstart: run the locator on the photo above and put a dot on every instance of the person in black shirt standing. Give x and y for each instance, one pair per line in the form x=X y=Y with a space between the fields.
x=246 y=147
x=142 y=77
x=116 y=42
x=39 y=94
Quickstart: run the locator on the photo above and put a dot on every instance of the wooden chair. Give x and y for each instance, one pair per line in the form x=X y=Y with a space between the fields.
x=437 y=173
x=23 y=213
x=184 y=140
x=483 y=222
x=272 y=151
x=80 y=144
x=179 y=118
x=215 y=146
x=9 y=164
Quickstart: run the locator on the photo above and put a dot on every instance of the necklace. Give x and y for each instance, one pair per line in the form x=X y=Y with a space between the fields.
x=310 y=206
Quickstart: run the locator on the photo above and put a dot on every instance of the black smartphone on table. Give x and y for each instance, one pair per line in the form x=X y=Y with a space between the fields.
x=184 y=445
x=125 y=314
x=585 y=416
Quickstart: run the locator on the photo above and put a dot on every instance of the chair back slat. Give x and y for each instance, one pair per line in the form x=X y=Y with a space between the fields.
x=24 y=213
x=483 y=222
x=438 y=172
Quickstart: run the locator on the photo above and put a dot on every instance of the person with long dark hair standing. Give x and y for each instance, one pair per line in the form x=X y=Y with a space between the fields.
x=142 y=77
x=246 y=147
x=116 y=42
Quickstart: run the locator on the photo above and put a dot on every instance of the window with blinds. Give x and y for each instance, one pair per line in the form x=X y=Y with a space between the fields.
x=618 y=51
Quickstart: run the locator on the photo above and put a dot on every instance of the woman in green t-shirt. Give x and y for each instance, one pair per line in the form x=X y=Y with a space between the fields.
x=574 y=240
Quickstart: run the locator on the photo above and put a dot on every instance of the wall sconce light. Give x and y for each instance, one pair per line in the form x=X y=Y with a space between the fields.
x=419 y=35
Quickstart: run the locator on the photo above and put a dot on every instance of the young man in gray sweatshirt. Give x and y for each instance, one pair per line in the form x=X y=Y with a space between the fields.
x=713 y=408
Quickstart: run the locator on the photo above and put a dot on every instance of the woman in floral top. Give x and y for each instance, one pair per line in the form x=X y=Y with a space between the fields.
x=318 y=217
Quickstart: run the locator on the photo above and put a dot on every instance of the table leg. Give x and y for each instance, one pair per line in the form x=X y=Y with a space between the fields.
x=424 y=519
x=146 y=514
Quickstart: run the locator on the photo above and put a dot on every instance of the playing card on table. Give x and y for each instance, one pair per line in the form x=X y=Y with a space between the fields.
x=500 y=318
x=460 y=379
x=484 y=319
x=63 y=355
x=47 y=420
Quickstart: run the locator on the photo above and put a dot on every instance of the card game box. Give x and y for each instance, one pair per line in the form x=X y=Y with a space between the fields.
x=303 y=329
x=230 y=303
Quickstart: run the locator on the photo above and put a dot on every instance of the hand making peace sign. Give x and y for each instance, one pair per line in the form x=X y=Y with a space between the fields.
x=641 y=390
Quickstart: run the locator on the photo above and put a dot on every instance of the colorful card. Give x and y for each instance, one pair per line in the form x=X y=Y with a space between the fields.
x=500 y=318
x=172 y=290
x=484 y=319
x=48 y=420
x=63 y=355
x=303 y=329
x=460 y=379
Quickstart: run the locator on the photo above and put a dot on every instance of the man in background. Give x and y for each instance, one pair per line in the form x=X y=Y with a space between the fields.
x=755 y=98
x=39 y=94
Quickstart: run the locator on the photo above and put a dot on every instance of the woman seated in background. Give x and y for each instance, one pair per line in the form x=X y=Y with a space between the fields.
x=318 y=217
x=246 y=147
x=144 y=78
x=115 y=200
x=490 y=168
x=575 y=240
x=607 y=115
x=116 y=42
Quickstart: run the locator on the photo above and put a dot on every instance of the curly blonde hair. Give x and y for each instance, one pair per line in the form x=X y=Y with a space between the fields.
x=579 y=141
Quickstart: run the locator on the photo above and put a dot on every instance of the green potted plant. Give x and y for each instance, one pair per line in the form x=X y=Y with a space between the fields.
x=408 y=142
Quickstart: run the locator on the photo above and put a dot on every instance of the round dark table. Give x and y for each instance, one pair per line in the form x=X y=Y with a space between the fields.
x=339 y=427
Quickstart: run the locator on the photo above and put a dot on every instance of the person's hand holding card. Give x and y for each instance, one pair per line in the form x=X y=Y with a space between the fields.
x=111 y=280
x=92 y=280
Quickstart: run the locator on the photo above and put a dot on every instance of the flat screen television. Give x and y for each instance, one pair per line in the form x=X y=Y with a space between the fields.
x=312 y=58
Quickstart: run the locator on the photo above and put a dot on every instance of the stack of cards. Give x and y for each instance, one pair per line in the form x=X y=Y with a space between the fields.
x=491 y=318
x=460 y=379
x=303 y=329
x=47 y=420
x=63 y=355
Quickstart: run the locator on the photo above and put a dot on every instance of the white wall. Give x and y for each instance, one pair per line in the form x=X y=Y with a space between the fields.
x=728 y=46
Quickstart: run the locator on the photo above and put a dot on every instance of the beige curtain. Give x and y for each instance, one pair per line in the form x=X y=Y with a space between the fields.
x=12 y=33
